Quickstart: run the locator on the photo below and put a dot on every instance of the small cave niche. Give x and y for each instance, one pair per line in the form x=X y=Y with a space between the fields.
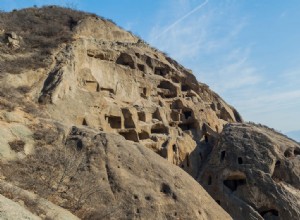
x=174 y=148
x=159 y=129
x=209 y=180
x=277 y=174
x=161 y=71
x=177 y=104
x=128 y=120
x=213 y=106
x=141 y=67
x=206 y=138
x=218 y=201
x=143 y=92
x=240 y=160
x=166 y=189
x=126 y=60
x=187 y=114
x=223 y=154
x=130 y=135
x=142 y=116
x=149 y=62
x=288 y=153
x=269 y=214
x=187 y=161
x=84 y=123
x=156 y=115
x=235 y=181
x=175 y=116
x=144 y=135
x=174 y=79
x=167 y=89
x=186 y=126
x=297 y=151
x=115 y=122
x=185 y=88
x=75 y=141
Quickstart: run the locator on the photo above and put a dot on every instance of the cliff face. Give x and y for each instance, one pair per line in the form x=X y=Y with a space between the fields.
x=256 y=169
x=87 y=105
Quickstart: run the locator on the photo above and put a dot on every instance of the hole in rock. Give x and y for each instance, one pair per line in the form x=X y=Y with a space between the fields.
x=240 y=160
x=235 y=181
x=130 y=135
x=144 y=135
x=223 y=154
x=166 y=189
x=297 y=151
x=174 y=147
x=126 y=60
x=160 y=71
x=167 y=89
x=185 y=88
x=84 y=122
x=187 y=161
x=187 y=114
x=128 y=121
x=288 y=153
x=206 y=138
x=141 y=67
x=114 y=121
x=269 y=214
x=159 y=129
x=156 y=115
x=142 y=116
x=209 y=180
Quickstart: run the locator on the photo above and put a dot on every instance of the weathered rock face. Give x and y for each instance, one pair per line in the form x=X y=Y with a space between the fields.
x=102 y=176
x=108 y=79
x=257 y=170
x=99 y=77
x=72 y=89
x=120 y=85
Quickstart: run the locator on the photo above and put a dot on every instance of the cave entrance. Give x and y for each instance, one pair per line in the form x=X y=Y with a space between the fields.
x=114 y=121
x=234 y=181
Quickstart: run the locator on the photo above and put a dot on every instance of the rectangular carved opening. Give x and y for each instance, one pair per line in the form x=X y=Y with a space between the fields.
x=142 y=116
x=114 y=121
x=130 y=135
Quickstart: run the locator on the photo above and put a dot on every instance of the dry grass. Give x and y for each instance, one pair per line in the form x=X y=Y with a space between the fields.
x=42 y=30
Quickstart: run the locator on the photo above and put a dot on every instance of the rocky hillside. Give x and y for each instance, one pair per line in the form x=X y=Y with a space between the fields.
x=108 y=127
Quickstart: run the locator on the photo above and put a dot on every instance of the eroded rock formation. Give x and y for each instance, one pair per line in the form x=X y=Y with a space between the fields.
x=256 y=169
x=100 y=119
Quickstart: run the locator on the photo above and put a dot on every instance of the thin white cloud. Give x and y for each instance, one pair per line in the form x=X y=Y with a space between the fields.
x=181 y=19
x=207 y=43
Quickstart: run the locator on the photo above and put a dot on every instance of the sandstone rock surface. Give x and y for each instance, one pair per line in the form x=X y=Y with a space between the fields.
x=256 y=169
x=94 y=120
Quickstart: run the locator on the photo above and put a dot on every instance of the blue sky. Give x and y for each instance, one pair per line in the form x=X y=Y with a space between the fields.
x=247 y=51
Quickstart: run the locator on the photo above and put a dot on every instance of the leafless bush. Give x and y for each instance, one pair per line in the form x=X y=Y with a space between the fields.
x=55 y=174
x=17 y=145
x=42 y=30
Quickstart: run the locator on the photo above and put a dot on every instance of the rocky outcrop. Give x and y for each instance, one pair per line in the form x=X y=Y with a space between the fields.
x=97 y=175
x=98 y=118
x=128 y=88
x=256 y=169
